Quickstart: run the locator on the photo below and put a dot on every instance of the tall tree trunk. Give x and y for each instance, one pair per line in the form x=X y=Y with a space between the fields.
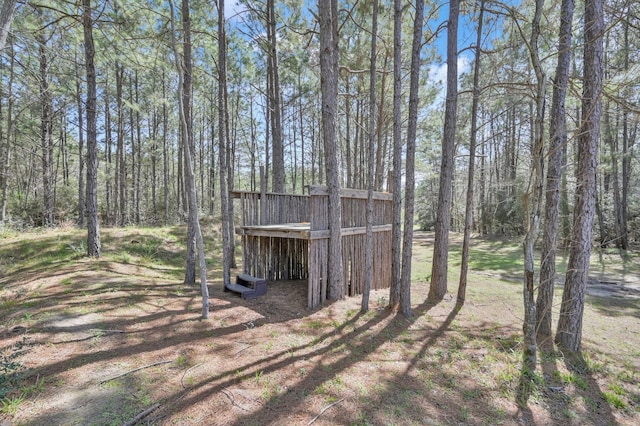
x=165 y=152
x=231 y=158
x=329 y=53
x=558 y=134
x=121 y=162
x=6 y=17
x=569 y=334
x=396 y=184
x=154 y=163
x=627 y=141
x=274 y=93
x=438 y=286
x=533 y=197
x=93 y=226
x=5 y=148
x=184 y=69
x=380 y=151
x=468 y=216
x=81 y=158
x=223 y=142
x=138 y=151
x=188 y=148
x=46 y=135
x=110 y=216
x=371 y=159
x=410 y=185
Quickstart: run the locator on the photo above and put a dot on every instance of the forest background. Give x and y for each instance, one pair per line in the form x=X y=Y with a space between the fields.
x=141 y=173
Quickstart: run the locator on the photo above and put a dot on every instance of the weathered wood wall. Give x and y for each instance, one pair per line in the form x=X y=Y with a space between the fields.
x=274 y=258
x=354 y=208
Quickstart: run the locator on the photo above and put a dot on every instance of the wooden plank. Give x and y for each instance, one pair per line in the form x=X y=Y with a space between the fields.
x=350 y=193
x=237 y=194
x=324 y=234
x=299 y=235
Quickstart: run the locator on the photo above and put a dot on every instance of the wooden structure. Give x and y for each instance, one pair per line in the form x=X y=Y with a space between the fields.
x=286 y=237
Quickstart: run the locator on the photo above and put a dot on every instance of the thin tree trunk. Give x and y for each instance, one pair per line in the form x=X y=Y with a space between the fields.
x=468 y=216
x=183 y=69
x=46 y=135
x=558 y=133
x=410 y=185
x=222 y=137
x=93 y=226
x=121 y=164
x=380 y=151
x=274 y=93
x=626 y=158
x=154 y=163
x=371 y=159
x=6 y=17
x=329 y=53
x=438 y=286
x=396 y=175
x=569 y=334
x=81 y=158
x=188 y=148
x=5 y=148
x=109 y=219
x=165 y=152
x=138 y=151
x=533 y=198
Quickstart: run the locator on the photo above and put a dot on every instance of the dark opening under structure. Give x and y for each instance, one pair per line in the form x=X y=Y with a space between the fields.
x=286 y=237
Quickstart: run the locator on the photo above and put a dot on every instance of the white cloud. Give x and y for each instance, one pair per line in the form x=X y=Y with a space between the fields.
x=232 y=9
x=438 y=73
x=438 y=76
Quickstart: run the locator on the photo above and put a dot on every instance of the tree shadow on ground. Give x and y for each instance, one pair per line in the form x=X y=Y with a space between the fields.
x=330 y=359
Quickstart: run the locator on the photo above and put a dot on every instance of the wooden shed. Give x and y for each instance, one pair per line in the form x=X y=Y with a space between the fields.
x=286 y=237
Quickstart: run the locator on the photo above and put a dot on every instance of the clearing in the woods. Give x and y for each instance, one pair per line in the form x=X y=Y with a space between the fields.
x=112 y=340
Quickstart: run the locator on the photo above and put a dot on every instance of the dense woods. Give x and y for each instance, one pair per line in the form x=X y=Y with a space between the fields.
x=146 y=112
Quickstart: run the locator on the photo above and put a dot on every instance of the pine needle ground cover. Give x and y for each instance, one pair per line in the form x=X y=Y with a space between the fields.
x=112 y=340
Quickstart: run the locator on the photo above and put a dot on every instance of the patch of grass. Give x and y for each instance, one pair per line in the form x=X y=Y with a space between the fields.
x=36 y=388
x=627 y=377
x=124 y=257
x=614 y=399
x=593 y=365
x=617 y=389
x=12 y=370
x=315 y=324
x=10 y=405
x=572 y=378
x=182 y=361
x=569 y=413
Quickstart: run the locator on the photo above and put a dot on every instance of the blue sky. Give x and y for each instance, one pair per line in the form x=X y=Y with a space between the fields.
x=466 y=37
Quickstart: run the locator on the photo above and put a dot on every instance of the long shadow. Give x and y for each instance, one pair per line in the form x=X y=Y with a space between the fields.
x=526 y=387
x=162 y=337
x=438 y=401
x=601 y=408
x=277 y=407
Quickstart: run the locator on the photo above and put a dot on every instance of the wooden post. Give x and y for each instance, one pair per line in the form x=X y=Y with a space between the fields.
x=263 y=196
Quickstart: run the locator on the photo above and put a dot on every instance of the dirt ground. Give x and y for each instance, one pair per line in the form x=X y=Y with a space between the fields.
x=104 y=341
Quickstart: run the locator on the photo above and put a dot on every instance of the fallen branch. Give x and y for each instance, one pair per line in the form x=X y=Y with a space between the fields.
x=243 y=349
x=185 y=373
x=99 y=330
x=325 y=409
x=232 y=399
x=142 y=415
x=134 y=370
